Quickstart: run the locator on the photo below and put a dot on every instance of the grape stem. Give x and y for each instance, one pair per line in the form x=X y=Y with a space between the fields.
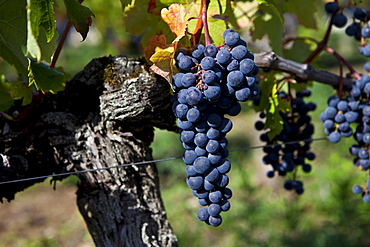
x=62 y=41
x=204 y=6
x=342 y=60
x=6 y=116
x=322 y=44
x=60 y=44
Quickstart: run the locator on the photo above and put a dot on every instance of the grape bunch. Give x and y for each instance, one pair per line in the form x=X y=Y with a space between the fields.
x=211 y=82
x=338 y=116
x=341 y=113
x=291 y=148
x=339 y=19
x=354 y=107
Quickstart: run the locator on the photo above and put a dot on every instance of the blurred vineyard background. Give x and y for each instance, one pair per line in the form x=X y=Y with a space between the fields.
x=262 y=212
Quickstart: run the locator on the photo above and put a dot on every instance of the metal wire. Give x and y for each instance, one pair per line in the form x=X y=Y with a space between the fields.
x=148 y=162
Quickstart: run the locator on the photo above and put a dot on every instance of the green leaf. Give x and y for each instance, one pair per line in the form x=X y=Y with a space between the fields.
x=21 y=90
x=271 y=103
x=274 y=120
x=13 y=33
x=33 y=48
x=47 y=48
x=269 y=22
x=80 y=16
x=148 y=25
x=216 y=26
x=298 y=52
x=42 y=15
x=304 y=10
x=6 y=99
x=45 y=78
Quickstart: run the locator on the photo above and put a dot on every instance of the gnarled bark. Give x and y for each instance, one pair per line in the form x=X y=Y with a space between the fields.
x=105 y=117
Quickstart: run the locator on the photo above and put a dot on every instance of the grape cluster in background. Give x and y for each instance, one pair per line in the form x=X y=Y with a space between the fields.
x=290 y=149
x=211 y=82
x=349 y=114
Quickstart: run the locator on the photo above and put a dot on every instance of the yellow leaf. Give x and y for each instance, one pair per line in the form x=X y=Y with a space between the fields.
x=174 y=16
x=163 y=61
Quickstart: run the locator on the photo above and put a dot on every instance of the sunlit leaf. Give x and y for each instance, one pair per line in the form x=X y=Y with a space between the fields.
x=155 y=43
x=174 y=16
x=47 y=48
x=269 y=23
x=274 y=121
x=163 y=60
x=33 y=48
x=271 y=103
x=42 y=15
x=304 y=11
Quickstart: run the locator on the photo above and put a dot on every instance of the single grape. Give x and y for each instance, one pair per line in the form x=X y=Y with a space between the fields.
x=209 y=77
x=365 y=50
x=207 y=63
x=215 y=220
x=331 y=7
x=202 y=165
x=189 y=157
x=247 y=66
x=211 y=51
x=223 y=57
x=195 y=182
x=212 y=146
x=334 y=137
x=193 y=96
x=215 y=196
x=243 y=94
x=224 y=167
x=198 y=51
x=193 y=115
x=235 y=79
x=181 y=110
x=365 y=32
x=212 y=93
x=367 y=66
x=340 y=20
x=239 y=52
x=187 y=136
x=360 y=14
x=185 y=62
x=232 y=39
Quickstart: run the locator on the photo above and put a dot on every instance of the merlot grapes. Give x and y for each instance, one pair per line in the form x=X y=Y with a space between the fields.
x=290 y=149
x=211 y=82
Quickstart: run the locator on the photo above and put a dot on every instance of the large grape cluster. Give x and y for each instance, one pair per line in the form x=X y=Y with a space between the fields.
x=291 y=148
x=211 y=82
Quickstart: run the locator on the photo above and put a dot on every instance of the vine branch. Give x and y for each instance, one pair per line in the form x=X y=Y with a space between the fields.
x=270 y=60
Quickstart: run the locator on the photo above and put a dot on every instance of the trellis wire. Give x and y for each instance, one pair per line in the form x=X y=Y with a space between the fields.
x=149 y=161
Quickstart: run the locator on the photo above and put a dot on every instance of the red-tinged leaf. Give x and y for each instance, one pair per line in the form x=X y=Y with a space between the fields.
x=158 y=70
x=80 y=16
x=152 y=7
x=163 y=60
x=155 y=43
x=174 y=16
